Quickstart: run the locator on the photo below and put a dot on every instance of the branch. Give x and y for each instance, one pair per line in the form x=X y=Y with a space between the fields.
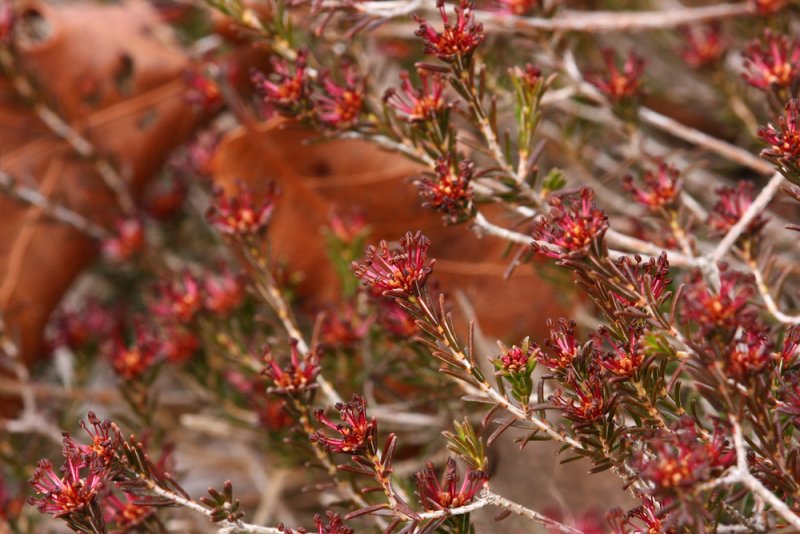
x=766 y=296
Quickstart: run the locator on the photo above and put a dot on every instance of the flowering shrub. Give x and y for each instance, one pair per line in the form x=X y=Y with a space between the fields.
x=669 y=207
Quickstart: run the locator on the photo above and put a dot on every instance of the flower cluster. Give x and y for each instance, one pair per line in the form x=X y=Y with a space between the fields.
x=299 y=376
x=180 y=299
x=419 y=104
x=772 y=62
x=573 y=225
x=723 y=309
x=704 y=46
x=397 y=272
x=435 y=495
x=732 y=204
x=357 y=435
x=128 y=241
x=515 y=365
x=288 y=86
x=619 y=85
x=456 y=42
x=449 y=190
x=585 y=401
x=561 y=347
x=240 y=215
x=624 y=359
x=339 y=106
x=784 y=141
x=659 y=189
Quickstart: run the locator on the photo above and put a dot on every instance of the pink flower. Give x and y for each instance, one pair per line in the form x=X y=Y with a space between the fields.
x=586 y=401
x=749 y=354
x=704 y=45
x=449 y=190
x=573 y=224
x=128 y=241
x=517 y=7
x=289 y=90
x=435 y=495
x=356 y=434
x=562 y=346
x=455 y=41
x=339 y=106
x=224 y=293
x=240 y=215
x=624 y=359
x=399 y=272
x=619 y=85
x=420 y=104
x=299 y=376
x=772 y=62
x=659 y=190
x=711 y=310
x=68 y=494
x=784 y=141
x=732 y=204
x=133 y=360
x=179 y=300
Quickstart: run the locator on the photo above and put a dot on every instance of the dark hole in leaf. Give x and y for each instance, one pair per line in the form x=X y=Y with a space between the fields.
x=123 y=74
x=321 y=169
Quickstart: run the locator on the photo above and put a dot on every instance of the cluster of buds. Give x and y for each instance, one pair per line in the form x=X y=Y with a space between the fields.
x=772 y=63
x=659 y=189
x=704 y=46
x=650 y=279
x=619 y=86
x=456 y=42
x=784 y=141
x=516 y=365
x=298 y=377
x=400 y=273
x=419 y=104
x=357 y=435
x=435 y=495
x=449 y=190
x=732 y=203
x=573 y=225
x=240 y=215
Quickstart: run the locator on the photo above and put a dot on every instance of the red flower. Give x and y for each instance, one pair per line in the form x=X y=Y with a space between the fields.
x=767 y=7
x=784 y=141
x=357 y=434
x=573 y=224
x=402 y=272
x=340 y=106
x=128 y=241
x=644 y=519
x=240 y=215
x=71 y=493
x=454 y=41
x=348 y=227
x=772 y=62
x=202 y=92
x=791 y=343
x=562 y=345
x=586 y=401
x=434 y=495
x=419 y=104
x=179 y=345
x=732 y=204
x=180 y=299
x=624 y=359
x=616 y=85
x=224 y=293
x=517 y=7
x=710 y=310
x=335 y=524
x=126 y=515
x=396 y=320
x=344 y=327
x=749 y=353
x=449 y=190
x=704 y=45
x=299 y=376
x=660 y=189
x=650 y=278
x=516 y=359
x=132 y=361
x=105 y=438
x=289 y=90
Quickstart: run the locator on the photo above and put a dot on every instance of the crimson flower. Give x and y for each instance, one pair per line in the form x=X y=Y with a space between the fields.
x=449 y=190
x=334 y=525
x=348 y=227
x=179 y=344
x=396 y=320
x=125 y=514
x=132 y=361
x=435 y=495
x=356 y=434
x=224 y=293
x=179 y=299
x=767 y=7
x=240 y=215
x=105 y=438
x=644 y=519
x=128 y=241
x=70 y=493
x=300 y=375
x=624 y=359
x=339 y=106
x=399 y=272
x=290 y=88
x=749 y=354
x=709 y=309
x=418 y=104
x=772 y=62
x=704 y=45
x=344 y=327
x=784 y=141
x=650 y=278
x=562 y=346
x=791 y=343
x=659 y=190
x=586 y=401
x=517 y=7
x=572 y=225
x=455 y=41
x=616 y=84
x=733 y=202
